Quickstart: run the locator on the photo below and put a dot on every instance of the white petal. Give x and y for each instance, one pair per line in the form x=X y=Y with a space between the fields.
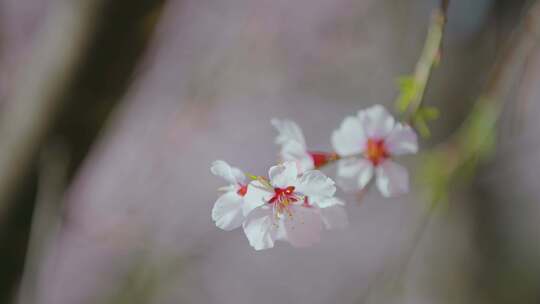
x=366 y=172
x=230 y=174
x=260 y=228
x=293 y=151
x=350 y=138
x=402 y=140
x=239 y=176
x=329 y=202
x=334 y=217
x=284 y=175
x=227 y=211
x=354 y=173
x=281 y=234
x=288 y=131
x=314 y=183
x=376 y=121
x=392 y=179
x=303 y=228
x=257 y=195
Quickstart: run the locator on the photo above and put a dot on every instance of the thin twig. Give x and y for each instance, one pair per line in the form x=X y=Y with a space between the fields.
x=429 y=59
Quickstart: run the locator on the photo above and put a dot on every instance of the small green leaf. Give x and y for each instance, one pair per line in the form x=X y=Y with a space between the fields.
x=252 y=177
x=421 y=126
x=430 y=113
x=408 y=89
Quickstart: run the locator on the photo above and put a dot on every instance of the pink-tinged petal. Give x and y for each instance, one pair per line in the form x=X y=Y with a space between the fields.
x=328 y=202
x=288 y=131
x=227 y=211
x=231 y=174
x=257 y=195
x=260 y=228
x=293 y=151
x=350 y=138
x=376 y=121
x=354 y=173
x=392 y=179
x=334 y=217
x=402 y=140
x=366 y=172
x=314 y=183
x=303 y=226
x=281 y=234
x=284 y=175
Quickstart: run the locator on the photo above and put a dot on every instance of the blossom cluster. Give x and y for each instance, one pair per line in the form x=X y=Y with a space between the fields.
x=297 y=200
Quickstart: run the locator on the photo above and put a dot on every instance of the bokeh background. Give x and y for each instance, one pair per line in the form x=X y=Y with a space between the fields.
x=112 y=111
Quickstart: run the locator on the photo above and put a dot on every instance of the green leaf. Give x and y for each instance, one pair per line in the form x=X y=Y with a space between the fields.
x=408 y=89
x=252 y=177
x=421 y=126
x=430 y=113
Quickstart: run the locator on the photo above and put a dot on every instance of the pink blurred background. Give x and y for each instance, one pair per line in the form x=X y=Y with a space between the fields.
x=135 y=225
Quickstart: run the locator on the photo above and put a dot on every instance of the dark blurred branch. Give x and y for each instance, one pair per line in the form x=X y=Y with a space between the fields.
x=80 y=68
x=473 y=141
x=46 y=217
x=504 y=270
x=26 y=119
x=444 y=6
x=470 y=143
x=457 y=159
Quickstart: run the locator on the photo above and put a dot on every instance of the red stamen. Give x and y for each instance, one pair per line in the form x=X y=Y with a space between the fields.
x=321 y=158
x=283 y=193
x=376 y=151
x=242 y=190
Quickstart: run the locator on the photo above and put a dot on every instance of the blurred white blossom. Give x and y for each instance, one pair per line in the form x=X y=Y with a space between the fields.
x=366 y=144
x=294 y=148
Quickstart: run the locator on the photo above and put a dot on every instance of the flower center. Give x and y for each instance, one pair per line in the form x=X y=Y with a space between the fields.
x=376 y=151
x=242 y=190
x=283 y=198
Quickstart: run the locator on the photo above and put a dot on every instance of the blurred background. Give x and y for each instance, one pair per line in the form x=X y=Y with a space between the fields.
x=112 y=111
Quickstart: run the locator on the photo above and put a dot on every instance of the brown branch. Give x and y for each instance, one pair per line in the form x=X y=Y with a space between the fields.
x=444 y=6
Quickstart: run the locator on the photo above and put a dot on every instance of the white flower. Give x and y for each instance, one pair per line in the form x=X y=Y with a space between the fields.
x=227 y=211
x=288 y=207
x=367 y=143
x=293 y=146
